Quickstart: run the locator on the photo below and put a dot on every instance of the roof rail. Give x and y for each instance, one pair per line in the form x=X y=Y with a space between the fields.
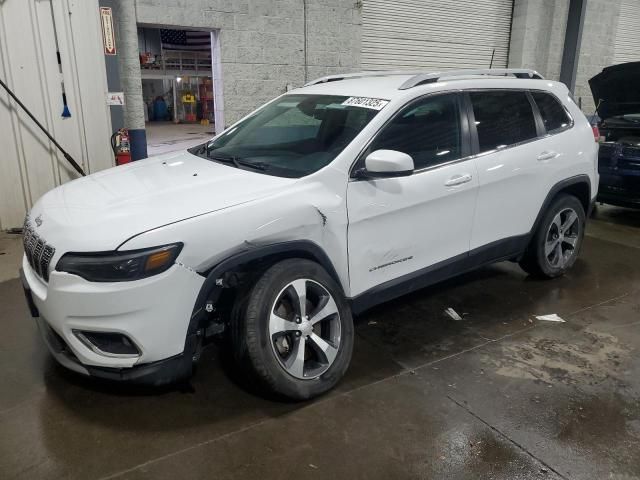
x=423 y=78
x=373 y=73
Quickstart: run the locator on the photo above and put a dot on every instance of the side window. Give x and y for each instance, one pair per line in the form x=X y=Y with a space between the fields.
x=502 y=118
x=428 y=130
x=552 y=112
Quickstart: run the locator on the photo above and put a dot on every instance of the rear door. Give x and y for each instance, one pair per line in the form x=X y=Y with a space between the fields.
x=510 y=168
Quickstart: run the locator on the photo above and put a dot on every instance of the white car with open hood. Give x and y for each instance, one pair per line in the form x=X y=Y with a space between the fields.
x=334 y=197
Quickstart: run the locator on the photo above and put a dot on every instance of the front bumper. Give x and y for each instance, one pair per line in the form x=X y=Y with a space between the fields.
x=154 y=313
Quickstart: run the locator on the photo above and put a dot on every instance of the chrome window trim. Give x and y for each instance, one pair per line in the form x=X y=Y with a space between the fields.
x=524 y=142
x=468 y=157
x=477 y=155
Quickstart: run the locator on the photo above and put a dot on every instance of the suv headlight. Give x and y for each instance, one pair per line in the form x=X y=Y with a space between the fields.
x=120 y=266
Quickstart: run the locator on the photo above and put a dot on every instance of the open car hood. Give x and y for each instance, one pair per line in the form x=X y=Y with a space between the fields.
x=617 y=90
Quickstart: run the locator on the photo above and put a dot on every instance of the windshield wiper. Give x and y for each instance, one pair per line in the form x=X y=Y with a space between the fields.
x=255 y=165
x=224 y=158
x=238 y=162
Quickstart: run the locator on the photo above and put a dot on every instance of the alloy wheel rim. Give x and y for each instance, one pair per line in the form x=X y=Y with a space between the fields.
x=304 y=329
x=562 y=238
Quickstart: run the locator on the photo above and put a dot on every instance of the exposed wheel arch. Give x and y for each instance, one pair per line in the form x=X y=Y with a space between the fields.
x=254 y=259
x=272 y=253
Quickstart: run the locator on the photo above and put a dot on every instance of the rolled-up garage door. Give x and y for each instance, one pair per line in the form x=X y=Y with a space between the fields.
x=431 y=34
x=627 y=43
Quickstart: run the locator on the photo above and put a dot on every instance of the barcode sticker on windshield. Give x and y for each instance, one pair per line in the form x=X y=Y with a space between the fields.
x=366 y=102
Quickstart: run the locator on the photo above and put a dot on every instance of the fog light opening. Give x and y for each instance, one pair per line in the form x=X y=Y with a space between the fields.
x=108 y=344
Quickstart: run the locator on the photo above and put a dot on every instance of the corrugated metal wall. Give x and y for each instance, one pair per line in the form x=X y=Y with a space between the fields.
x=435 y=34
x=627 y=43
x=29 y=164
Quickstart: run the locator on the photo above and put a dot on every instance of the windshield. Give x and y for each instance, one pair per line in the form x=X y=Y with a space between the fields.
x=293 y=136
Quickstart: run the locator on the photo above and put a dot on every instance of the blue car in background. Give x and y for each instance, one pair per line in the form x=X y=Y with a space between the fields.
x=616 y=92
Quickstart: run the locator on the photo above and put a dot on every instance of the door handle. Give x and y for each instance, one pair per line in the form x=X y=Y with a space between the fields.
x=547 y=156
x=458 y=180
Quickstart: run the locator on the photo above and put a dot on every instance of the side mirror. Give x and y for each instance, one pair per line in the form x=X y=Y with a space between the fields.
x=387 y=163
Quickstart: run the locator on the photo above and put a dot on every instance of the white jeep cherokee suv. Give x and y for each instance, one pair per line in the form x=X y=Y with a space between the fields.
x=348 y=192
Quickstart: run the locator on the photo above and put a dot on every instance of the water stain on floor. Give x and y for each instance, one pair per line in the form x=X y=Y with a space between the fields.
x=591 y=357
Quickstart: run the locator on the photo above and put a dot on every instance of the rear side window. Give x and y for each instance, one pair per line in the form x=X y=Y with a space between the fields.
x=502 y=118
x=553 y=114
x=428 y=130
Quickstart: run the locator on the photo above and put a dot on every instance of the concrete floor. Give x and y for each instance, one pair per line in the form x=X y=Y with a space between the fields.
x=496 y=395
x=166 y=137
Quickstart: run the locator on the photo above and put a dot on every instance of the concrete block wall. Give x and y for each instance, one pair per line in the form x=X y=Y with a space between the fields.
x=598 y=43
x=333 y=46
x=262 y=42
x=537 y=40
x=537 y=35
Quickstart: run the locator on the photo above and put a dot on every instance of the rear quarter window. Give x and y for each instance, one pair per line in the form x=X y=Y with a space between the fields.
x=554 y=116
x=502 y=118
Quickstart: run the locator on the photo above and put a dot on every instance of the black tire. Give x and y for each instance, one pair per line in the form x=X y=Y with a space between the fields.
x=254 y=347
x=535 y=261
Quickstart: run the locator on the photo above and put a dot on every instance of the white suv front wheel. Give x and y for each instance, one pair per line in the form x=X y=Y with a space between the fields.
x=295 y=334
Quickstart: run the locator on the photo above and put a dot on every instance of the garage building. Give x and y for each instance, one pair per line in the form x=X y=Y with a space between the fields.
x=259 y=49
x=392 y=276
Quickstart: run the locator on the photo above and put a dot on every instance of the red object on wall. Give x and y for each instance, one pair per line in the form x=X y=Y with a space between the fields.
x=123 y=158
x=121 y=146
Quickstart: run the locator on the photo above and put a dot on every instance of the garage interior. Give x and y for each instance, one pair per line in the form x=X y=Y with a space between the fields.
x=496 y=393
x=177 y=88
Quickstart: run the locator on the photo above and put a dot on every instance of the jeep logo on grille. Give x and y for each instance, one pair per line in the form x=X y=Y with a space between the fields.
x=38 y=220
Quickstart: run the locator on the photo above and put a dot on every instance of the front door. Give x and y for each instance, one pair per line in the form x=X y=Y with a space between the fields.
x=399 y=226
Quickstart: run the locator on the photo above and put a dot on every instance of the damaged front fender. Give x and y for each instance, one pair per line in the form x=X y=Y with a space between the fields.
x=214 y=283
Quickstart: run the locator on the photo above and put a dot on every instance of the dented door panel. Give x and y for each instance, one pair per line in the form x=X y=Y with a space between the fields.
x=400 y=225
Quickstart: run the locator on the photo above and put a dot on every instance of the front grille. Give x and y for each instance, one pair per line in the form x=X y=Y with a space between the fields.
x=38 y=253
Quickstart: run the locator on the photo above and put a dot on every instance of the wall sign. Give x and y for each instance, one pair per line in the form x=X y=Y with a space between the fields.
x=115 y=98
x=108 y=36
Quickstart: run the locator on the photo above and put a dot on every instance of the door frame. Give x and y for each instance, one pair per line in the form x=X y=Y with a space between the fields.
x=216 y=67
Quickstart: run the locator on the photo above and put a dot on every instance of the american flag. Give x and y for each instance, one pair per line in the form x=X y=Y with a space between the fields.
x=185 y=40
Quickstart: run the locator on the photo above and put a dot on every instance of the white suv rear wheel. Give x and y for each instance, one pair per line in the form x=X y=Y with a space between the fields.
x=557 y=241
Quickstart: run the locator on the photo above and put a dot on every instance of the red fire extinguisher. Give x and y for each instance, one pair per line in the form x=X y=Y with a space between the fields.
x=121 y=146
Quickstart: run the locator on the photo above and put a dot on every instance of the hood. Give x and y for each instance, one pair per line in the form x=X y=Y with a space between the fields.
x=101 y=211
x=617 y=90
